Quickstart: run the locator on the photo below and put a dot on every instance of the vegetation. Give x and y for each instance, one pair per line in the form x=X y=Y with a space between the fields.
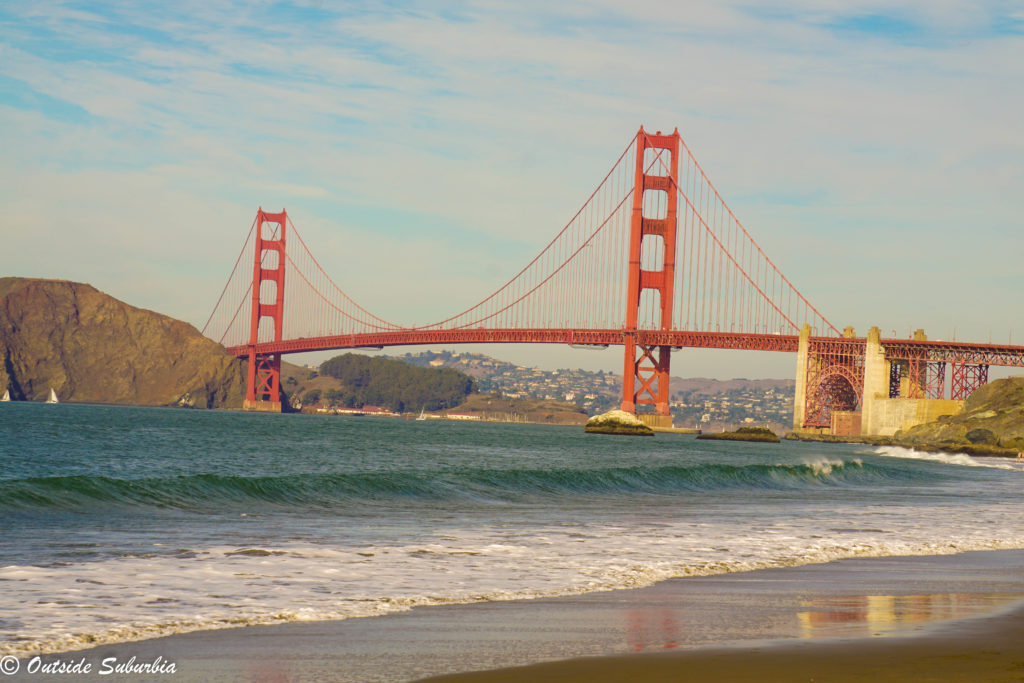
x=743 y=434
x=372 y=380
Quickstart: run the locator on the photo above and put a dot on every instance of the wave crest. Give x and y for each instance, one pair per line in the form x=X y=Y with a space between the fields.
x=211 y=492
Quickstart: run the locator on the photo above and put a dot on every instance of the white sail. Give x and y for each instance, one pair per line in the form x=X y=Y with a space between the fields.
x=6 y=397
x=423 y=413
x=53 y=396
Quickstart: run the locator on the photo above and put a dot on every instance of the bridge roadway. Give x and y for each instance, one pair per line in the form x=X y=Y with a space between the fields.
x=942 y=351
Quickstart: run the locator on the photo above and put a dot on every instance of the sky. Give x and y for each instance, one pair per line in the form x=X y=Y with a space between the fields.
x=426 y=151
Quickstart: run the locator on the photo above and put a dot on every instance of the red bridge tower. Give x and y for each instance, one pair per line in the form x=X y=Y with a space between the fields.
x=645 y=380
x=264 y=383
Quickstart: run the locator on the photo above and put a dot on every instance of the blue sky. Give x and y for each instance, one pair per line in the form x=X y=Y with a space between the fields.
x=426 y=151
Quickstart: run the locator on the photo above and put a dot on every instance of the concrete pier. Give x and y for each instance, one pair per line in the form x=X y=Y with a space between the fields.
x=881 y=410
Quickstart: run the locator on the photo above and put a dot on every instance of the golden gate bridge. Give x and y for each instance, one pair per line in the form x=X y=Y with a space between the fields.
x=654 y=260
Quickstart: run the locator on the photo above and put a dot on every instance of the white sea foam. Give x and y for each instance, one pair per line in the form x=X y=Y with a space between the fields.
x=75 y=606
x=823 y=467
x=949 y=458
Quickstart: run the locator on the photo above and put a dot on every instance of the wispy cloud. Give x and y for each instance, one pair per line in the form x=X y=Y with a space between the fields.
x=456 y=138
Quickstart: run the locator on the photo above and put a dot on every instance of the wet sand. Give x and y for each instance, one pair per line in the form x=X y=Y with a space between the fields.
x=988 y=649
x=943 y=618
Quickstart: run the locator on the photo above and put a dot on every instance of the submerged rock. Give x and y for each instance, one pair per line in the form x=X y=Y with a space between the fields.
x=617 y=422
x=760 y=434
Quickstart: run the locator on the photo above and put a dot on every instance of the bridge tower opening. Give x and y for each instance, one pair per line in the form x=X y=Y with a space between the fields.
x=645 y=379
x=263 y=390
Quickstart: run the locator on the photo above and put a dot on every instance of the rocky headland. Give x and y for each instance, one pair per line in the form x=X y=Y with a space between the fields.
x=90 y=347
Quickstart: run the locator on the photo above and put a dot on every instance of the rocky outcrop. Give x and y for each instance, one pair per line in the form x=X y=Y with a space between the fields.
x=617 y=422
x=760 y=434
x=90 y=347
x=993 y=416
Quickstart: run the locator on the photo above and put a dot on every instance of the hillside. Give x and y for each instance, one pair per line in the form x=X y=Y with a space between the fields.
x=354 y=380
x=725 y=402
x=993 y=416
x=90 y=347
x=534 y=411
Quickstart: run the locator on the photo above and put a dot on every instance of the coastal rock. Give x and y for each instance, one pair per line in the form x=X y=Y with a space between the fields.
x=617 y=422
x=90 y=347
x=759 y=434
x=992 y=418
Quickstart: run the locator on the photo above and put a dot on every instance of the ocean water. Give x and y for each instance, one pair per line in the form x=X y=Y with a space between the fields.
x=119 y=524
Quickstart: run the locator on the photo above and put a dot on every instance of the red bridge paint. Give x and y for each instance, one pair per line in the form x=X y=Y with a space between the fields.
x=655 y=233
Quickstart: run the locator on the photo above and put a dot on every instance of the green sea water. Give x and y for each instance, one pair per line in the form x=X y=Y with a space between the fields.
x=121 y=523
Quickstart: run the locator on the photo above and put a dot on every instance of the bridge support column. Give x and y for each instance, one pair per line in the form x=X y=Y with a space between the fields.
x=800 y=396
x=877 y=379
x=645 y=379
x=263 y=390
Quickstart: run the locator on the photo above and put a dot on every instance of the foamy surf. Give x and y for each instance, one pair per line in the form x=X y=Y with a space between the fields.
x=959 y=459
x=226 y=587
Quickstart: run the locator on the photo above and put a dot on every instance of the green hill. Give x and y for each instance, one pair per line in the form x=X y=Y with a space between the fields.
x=353 y=381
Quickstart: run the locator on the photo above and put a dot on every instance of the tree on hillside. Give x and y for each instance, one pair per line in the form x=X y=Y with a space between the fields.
x=368 y=380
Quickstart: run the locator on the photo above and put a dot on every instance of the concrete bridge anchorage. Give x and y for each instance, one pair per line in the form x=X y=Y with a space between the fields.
x=869 y=386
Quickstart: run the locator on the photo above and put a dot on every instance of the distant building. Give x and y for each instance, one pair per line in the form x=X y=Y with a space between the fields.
x=376 y=410
x=365 y=410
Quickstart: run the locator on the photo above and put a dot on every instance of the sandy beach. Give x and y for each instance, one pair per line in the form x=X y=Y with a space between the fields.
x=953 y=617
x=987 y=649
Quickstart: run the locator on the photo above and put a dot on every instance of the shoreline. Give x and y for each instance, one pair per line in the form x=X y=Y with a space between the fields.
x=803 y=608
x=968 y=650
x=978 y=450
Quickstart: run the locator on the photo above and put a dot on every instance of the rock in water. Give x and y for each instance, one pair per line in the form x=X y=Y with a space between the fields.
x=762 y=434
x=93 y=348
x=617 y=422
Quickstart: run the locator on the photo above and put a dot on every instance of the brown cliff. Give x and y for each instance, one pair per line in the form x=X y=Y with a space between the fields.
x=90 y=347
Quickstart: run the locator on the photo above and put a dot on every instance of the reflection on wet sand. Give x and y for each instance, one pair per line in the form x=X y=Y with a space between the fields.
x=875 y=615
x=652 y=629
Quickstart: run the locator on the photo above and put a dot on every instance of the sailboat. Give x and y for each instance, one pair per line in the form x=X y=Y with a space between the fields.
x=423 y=414
x=53 y=396
x=6 y=397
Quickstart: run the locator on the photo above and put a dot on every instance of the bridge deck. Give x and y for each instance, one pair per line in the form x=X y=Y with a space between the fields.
x=942 y=351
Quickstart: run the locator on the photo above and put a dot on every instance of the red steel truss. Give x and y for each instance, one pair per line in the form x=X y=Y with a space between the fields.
x=966 y=378
x=835 y=378
x=953 y=352
x=923 y=363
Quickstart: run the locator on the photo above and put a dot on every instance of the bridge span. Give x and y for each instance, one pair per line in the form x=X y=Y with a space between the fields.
x=654 y=261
